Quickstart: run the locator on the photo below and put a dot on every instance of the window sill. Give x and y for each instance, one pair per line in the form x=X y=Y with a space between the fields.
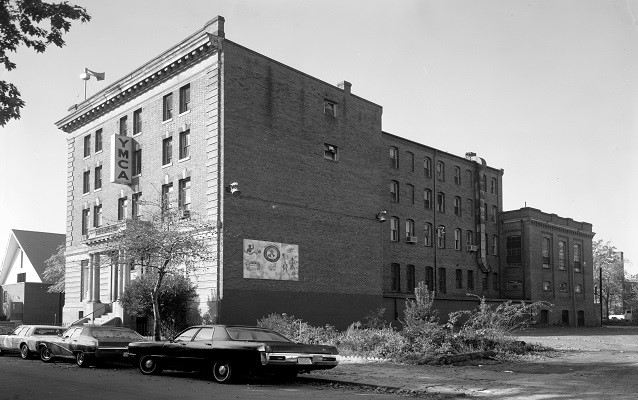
x=136 y=176
x=184 y=159
x=87 y=157
x=86 y=193
x=97 y=190
x=167 y=121
x=167 y=165
x=98 y=152
x=136 y=134
x=184 y=113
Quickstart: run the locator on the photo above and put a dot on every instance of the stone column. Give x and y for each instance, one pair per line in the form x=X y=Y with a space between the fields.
x=89 y=282
x=121 y=262
x=115 y=265
x=96 y=278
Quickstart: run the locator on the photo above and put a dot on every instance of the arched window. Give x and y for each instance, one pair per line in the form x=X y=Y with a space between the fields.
x=394 y=191
x=394 y=157
x=427 y=199
x=394 y=229
x=428 y=234
x=440 y=236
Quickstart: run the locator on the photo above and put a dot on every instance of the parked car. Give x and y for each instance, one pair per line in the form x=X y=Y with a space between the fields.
x=89 y=344
x=23 y=338
x=227 y=351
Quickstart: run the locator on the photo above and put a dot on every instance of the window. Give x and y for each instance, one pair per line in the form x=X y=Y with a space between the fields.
x=442 y=280
x=578 y=288
x=137 y=121
x=546 y=251
x=85 y=221
x=484 y=281
x=395 y=271
x=484 y=183
x=495 y=282
x=136 y=199
x=98 y=178
x=394 y=158
x=184 y=98
x=167 y=107
x=123 y=126
x=167 y=190
x=122 y=206
x=409 y=193
x=98 y=140
x=394 y=229
x=22 y=277
x=184 y=196
x=429 y=278
x=409 y=228
x=457 y=175
x=410 y=160
x=494 y=245
x=330 y=108
x=427 y=167
x=470 y=207
x=440 y=202
x=459 y=279
x=547 y=286
x=330 y=152
x=469 y=239
x=428 y=234
x=470 y=179
x=485 y=213
x=457 y=206
x=137 y=162
x=394 y=191
x=513 y=250
x=440 y=237
x=97 y=216
x=87 y=146
x=457 y=239
x=427 y=199
x=577 y=263
x=470 y=280
x=410 y=278
x=563 y=287
x=561 y=254
x=493 y=186
x=440 y=171
x=86 y=182
x=167 y=150
x=493 y=214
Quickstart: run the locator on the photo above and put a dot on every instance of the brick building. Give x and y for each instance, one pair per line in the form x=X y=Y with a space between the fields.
x=209 y=118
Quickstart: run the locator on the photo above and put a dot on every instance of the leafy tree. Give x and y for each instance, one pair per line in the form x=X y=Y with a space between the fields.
x=420 y=314
x=608 y=259
x=55 y=270
x=22 y=22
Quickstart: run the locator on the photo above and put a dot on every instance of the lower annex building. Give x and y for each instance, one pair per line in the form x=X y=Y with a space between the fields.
x=335 y=217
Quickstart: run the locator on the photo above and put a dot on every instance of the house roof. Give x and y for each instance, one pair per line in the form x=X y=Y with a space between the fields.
x=37 y=247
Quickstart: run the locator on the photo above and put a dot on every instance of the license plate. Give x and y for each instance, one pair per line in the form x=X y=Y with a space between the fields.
x=304 y=360
x=125 y=354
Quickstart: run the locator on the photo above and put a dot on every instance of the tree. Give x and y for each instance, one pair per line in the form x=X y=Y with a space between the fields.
x=607 y=258
x=55 y=270
x=165 y=243
x=21 y=23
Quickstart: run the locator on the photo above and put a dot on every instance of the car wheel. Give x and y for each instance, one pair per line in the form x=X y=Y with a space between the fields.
x=45 y=354
x=149 y=365
x=81 y=360
x=223 y=372
x=24 y=351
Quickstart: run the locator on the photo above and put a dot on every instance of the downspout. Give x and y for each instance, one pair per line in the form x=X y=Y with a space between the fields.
x=481 y=207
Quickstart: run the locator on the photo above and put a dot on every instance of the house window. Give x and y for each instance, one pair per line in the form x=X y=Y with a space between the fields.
x=457 y=239
x=122 y=206
x=428 y=234
x=427 y=199
x=167 y=190
x=470 y=179
x=440 y=171
x=429 y=278
x=85 y=221
x=493 y=186
x=561 y=254
x=484 y=183
x=440 y=202
x=409 y=193
x=409 y=228
x=563 y=287
x=495 y=282
x=457 y=175
x=137 y=162
x=470 y=207
x=440 y=237
x=330 y=152
x=136 y=199
x=86 y=182
x=410 y=160
x=123 y=126
x=577 y=262
x=546 y=251
x=494 y=245
x=457 y=206
x=410 y=278
x=184 y=196
x=84 y=280
x=97 y=216
x=394 y=229
x=330 y=108
x=493 y=215
x=167 y=150
x=22 y=277
x=394 y=158
x=442 y=280
x=98 y=178
x=547 y=286
x=394 y=191
x=87 y=146
x=484 y=281
x=513 y=250
x=470 y=280
x=578 y=288
x=184 y=98
x=167 y=107
x=137 y=121
x=459 y=279
x=98 y=140
x=427 y=167
x=395 y=270
x=469 y=239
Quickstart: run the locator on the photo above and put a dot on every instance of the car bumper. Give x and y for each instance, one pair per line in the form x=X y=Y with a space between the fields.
x=299 y=361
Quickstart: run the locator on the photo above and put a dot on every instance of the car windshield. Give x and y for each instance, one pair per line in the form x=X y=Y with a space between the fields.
x=48 y=331
x=255 y=335
x=116 y=334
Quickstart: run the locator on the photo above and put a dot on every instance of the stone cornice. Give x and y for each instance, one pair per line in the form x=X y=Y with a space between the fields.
x=555 y=227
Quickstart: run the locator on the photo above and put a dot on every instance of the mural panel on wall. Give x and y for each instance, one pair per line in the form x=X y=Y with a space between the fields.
x=269 y=260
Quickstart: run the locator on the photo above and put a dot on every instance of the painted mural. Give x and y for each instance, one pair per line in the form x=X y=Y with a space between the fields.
x=268 y=260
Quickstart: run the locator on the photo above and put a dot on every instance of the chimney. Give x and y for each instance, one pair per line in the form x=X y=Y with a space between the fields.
x=346 y=86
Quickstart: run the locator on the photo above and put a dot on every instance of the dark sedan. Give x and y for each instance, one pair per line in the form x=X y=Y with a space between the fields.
x=89 y=344
x=227 y=351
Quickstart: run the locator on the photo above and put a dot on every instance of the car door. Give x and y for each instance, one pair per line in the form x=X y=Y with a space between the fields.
x=176 y=351
x=74 y=340
x=17 y=336
x=62 y=346
x=198 y=350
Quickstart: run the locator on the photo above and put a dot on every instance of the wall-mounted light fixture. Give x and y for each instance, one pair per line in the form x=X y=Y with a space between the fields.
x=381 y=216
x=233 y=189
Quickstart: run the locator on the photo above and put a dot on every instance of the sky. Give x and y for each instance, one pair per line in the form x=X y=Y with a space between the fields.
x=546 y=90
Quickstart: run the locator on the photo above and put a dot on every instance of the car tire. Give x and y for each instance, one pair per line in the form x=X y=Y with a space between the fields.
x=24 y=352
x=45 y=354
x=81 y=359
x=149 y=365
x=223 y=372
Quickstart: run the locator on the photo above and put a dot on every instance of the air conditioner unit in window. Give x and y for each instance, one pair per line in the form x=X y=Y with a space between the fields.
x=471 y=247
x=411 y=239
x=185 y=213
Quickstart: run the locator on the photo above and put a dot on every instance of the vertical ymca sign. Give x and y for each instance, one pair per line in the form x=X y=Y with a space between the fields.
x=121 y=159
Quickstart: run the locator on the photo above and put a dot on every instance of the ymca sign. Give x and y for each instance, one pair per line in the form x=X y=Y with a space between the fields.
x=121 y=159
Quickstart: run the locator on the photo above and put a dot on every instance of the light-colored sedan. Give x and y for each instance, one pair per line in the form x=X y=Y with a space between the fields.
x=24 y=337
